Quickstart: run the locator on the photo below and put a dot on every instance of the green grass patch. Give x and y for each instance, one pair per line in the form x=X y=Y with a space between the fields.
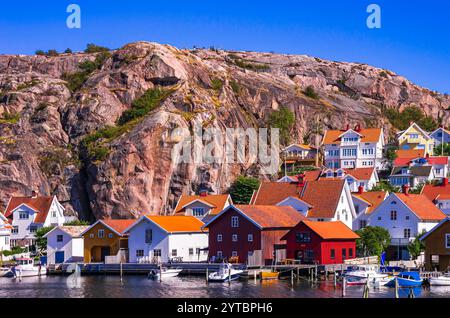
x=249 y=65
x=10 y=118
x=28 y=84
x=235 y=87
x=311 y=93
x=216 y=84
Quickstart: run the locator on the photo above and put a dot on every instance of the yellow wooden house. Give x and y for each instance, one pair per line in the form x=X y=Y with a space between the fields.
x=415 y=138
x=106 y=238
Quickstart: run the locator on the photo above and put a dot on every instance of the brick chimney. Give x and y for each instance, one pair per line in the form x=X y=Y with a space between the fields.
x=358 y=127
x=203 y=193
x=360 y=189
x=405 y=189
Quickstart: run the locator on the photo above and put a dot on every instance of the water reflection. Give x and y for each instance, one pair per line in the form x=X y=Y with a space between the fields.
x=191 y=287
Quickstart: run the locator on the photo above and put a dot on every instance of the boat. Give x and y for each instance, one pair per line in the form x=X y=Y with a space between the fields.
x=164 y=273
x=5 y=271
x=269 y=275
x=406 y=279
x=359 y=275
x=226 y=273
x=443 y=280
x=25 y=268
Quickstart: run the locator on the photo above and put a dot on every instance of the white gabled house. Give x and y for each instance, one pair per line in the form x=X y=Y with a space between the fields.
x=365 y=203
x=28 y=214
x=405 y=215
x=65 y=244
x=203 y=206
x=154 y=239
x=366 y=178
x=5 y=233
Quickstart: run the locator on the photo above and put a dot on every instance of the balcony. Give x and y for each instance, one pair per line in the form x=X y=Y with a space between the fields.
x=401 y=241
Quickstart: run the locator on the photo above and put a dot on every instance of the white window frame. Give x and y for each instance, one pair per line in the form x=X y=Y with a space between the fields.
x=250 y=237
x=219 y=238
x=102 y=235
x=234 y=221
x=234 y=237
x=138 y=252
x=196 y=211
x=59 y=236
x=219 y=254
x=234 y=254
x=447 y=240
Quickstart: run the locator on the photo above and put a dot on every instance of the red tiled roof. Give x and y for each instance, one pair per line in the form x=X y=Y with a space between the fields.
x=118 y=225
x=431 y=160
x=323 y=195
x=40 y=204
x=218 y=201
x=177 y=223
x=360 y=173
x=368 y=135
x=418 y=153
x=433 y=191
x=375 y=198
x=422 y=207
x=331 y=230
x=270 y=216
x=309 y=176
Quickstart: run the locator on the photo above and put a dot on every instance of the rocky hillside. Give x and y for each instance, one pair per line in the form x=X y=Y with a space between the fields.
x=54 y=110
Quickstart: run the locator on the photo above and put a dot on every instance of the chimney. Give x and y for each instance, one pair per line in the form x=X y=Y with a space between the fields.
x=34 y=194
x=405 y=189
x=203 y=193
x=427 y=155
x=360 y=189
x=445 y=182
x=358 y=128
x=301 y=179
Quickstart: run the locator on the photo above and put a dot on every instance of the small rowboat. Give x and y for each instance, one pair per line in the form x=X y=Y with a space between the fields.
x=269 y=275
x=406 y=279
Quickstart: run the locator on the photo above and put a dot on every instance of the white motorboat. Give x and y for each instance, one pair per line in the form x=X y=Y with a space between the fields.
x=26 y=268
x=5 y=271
x=226 y=273
x=360 y=274
x=164 y=273
x=443 y=280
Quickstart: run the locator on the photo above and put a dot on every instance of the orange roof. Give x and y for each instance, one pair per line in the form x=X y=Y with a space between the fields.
x=434 y=191
x=218 y=201
x=422 y=207
x=368 y=135
x=331 y=230
x=175 y=223
x=271 y=216
x=411 y=154
x=40 y=204
x=360 y=173
x=323 y=195
x=375 y=198
x=118 y=225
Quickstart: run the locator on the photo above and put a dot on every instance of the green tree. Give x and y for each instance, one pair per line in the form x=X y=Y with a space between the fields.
x=242 y=189
x=417 y=246
x=41 y=241
x=52 y=52
x=310 y=92
x=39 y=52
x=68 y=51
x=391 y=154
x=282 y=119
x=77 y=223
x=373 y=241
x=438 y=150
x=93 y=48
x=385 y=186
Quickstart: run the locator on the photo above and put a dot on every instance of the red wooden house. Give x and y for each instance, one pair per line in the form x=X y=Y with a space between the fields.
x=247 y=230
x=313 y=242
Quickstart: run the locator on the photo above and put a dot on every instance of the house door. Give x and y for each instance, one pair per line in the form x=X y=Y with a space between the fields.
x=299 y=256
x=59 y=257
x=105 y=251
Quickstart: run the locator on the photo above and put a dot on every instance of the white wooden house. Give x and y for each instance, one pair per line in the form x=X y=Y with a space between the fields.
x=203 y=206
x=5 y=233
x=65 y=244
x=165 y=238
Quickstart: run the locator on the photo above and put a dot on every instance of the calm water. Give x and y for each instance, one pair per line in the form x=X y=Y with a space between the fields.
x=185 y=287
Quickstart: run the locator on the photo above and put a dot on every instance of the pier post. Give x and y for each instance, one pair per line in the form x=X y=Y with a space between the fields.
x=254 y=275
x=396 y=287
x=229 y=276
x=343 y=286
x=292 y=278
x=206 y=275
x=160 y=273
x=335 y=279
x=298 y=274
x=316 y=273
x=121 y=272
x=326 y=273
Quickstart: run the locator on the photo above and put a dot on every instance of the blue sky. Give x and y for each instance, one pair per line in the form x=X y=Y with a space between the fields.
x=414 y=40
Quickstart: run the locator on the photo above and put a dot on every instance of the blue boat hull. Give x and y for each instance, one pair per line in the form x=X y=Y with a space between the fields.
x=403 y=282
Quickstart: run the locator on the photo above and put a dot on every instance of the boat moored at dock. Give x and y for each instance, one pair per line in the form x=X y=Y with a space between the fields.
x=443 y=280
x=406 y=279
x=225 y=273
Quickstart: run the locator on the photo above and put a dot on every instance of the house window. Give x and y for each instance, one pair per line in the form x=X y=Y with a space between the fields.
x=407 y=217
x=234 y=238
x=393 y=202
x=6 y=240
x=219 y=237
x=407 y=233
x=332 y=253
x=15 y=230
x=320 y=220
x=110 y=235
x=23 y=215
x=393 y=215
x=53 y=214
x=174 y=252
x=447 y=240
x=198 y=211
x=250 y=238
x=362 y=223
x=148 y=236
x=303 y=237
x=379 y=218
x=197 y=251
x=91 y=235
x=219 y=254
x=250 y=253
x=157 y=253
x=234 y=254
x=33 y=228
x=101 y=233
x=139 y=253
x=59 y=238
x=350 y=252
x=191 y=251
x=234 y=221
x=344 y=253
x=438 y=171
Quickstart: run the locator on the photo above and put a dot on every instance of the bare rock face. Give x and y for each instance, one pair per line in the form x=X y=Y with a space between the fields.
x=43 y=123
